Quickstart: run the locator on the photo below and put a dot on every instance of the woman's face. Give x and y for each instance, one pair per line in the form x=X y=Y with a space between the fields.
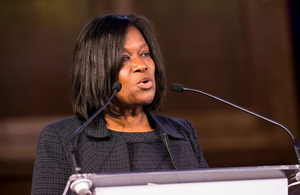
x=137 y=74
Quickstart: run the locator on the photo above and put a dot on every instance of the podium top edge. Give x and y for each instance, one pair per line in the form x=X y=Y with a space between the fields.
x=186 y=176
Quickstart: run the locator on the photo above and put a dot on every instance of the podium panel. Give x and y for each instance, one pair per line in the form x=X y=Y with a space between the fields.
x=275 y=180
x=246 y=187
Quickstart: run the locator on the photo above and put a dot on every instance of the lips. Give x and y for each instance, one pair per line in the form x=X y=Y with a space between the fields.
x=145 y=83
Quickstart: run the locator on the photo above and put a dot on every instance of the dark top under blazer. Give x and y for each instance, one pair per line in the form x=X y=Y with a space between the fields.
x=53 y=164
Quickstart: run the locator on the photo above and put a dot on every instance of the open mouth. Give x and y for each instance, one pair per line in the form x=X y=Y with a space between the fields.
x=145 y=83
x=144 y=80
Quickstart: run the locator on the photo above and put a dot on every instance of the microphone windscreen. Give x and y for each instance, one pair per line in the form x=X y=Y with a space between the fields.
x=117 y=86
x=177 y=87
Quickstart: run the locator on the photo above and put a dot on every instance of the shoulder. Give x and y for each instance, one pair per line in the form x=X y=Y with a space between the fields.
x=62 y=129
x=69 y=122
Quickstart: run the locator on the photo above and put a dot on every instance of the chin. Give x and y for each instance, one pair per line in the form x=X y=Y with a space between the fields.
x=148 y=100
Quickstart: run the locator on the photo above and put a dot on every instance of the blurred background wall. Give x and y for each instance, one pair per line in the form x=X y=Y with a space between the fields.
x=244 y=51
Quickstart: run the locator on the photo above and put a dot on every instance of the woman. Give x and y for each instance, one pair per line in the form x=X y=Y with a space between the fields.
x=125 y=137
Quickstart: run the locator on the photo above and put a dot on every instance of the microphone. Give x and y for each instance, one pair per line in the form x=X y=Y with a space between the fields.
x=116 y=88
x=177 y=87
x=82 y=186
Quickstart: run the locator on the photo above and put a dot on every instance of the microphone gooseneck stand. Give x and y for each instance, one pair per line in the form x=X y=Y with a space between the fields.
x=177 y=87
x=82 y=185
x=295 y=180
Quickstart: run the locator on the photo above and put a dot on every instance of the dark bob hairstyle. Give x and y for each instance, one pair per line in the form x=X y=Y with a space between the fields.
x=98 y=58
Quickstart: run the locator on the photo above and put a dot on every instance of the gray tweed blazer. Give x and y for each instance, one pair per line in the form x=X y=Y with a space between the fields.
x=53 y=164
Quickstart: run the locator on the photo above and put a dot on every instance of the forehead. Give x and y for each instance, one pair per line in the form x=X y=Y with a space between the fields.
x=133 y=37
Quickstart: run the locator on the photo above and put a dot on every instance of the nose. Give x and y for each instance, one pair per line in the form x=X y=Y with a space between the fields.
x=138 y=65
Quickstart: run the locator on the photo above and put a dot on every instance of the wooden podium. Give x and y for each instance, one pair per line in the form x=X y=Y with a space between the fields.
x=265 y=180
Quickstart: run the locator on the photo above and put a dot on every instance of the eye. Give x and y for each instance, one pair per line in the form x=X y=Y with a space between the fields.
x=124 y=58
x=146 y=54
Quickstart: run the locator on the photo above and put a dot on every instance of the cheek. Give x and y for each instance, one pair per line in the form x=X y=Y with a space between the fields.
x=121 y=75
x=124 y=78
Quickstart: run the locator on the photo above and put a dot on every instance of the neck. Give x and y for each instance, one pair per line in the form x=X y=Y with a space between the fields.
x=131 y=121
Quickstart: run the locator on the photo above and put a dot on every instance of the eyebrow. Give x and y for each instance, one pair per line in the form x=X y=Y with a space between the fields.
x=140 y=47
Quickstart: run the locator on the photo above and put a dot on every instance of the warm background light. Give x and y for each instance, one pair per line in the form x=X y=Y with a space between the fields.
x=240 y=50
